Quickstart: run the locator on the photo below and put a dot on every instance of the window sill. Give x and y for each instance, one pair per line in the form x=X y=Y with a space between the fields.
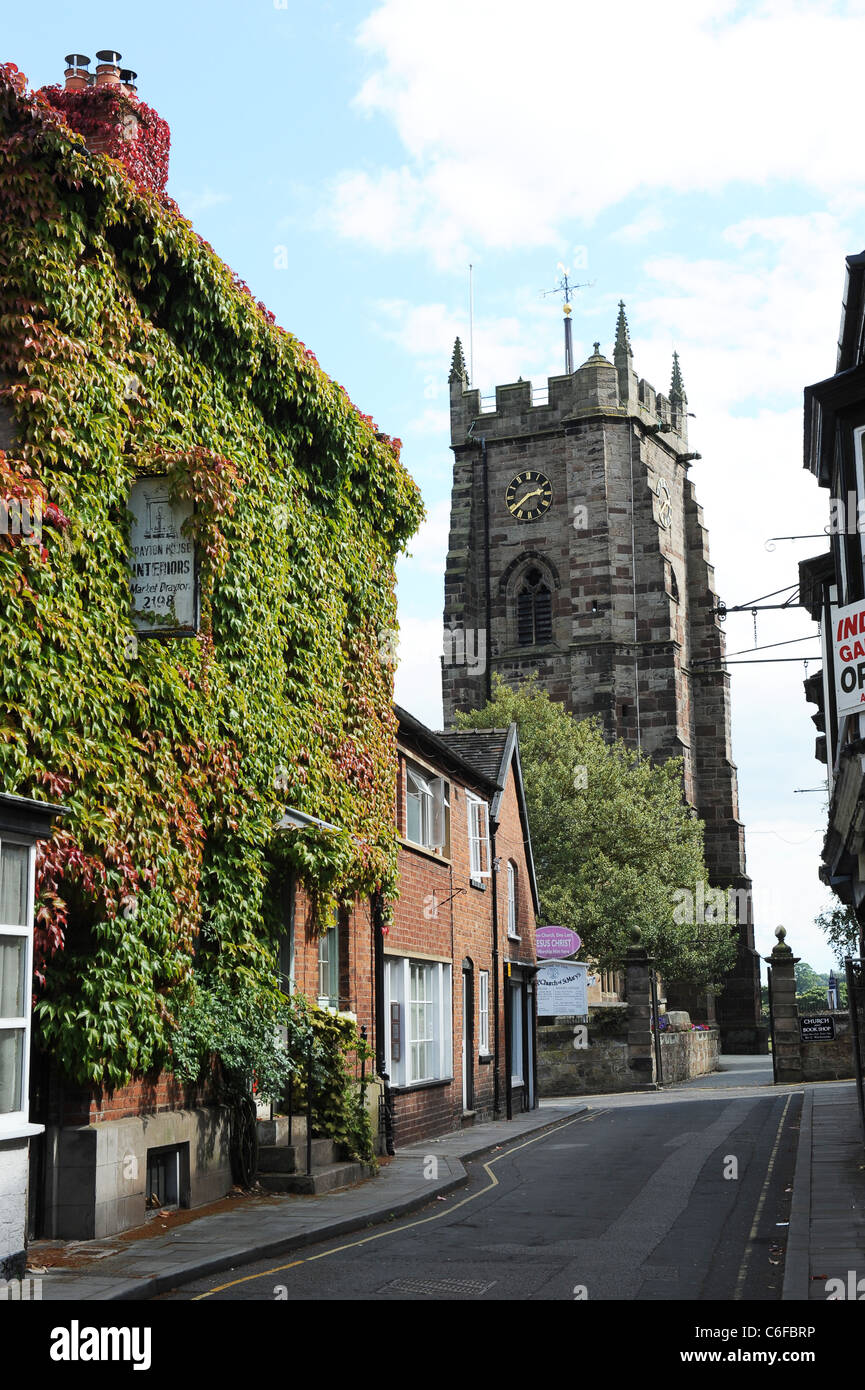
x=479 y=884
x=19 y=1129
x=423 y=1085
x=484 y=1058
x=514 y=936
x=437 y=856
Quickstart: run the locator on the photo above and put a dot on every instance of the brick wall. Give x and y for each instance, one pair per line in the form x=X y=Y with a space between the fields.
x=442 y=915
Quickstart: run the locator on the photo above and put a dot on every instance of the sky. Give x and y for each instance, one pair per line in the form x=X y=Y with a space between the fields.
x=350 y=160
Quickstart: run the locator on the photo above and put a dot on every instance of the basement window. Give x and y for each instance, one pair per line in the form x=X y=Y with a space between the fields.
x=167 y=1178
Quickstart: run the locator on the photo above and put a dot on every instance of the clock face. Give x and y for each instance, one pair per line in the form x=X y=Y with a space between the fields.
x=529 y=495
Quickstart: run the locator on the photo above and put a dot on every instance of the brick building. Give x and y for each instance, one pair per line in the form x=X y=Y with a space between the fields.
x=578 y=553
x=176 y=757
x=459 y=957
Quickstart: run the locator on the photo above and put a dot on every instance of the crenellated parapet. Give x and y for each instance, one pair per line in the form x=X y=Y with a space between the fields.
x=597 y=387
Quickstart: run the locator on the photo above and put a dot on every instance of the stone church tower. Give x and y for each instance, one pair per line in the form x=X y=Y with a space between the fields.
x=578 y=552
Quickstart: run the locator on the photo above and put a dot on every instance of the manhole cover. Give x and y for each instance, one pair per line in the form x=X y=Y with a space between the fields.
x=468 y=1287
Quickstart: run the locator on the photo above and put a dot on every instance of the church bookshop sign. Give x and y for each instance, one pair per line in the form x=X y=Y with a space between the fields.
x=817 y=1028
x=562 y=989
x=164 y=574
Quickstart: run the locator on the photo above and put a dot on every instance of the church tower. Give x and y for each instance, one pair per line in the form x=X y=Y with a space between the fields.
x=578 y=552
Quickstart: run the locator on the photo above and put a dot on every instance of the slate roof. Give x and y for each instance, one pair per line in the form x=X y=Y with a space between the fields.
x=483 y=748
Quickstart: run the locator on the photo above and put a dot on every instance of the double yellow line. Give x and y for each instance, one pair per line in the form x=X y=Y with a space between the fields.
x=410 y=1225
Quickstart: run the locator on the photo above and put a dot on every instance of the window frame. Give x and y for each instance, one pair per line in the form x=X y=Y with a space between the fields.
x=15 y=1120
x=483 y=1013
x=331 y=939
x=400 y=974
x=478 y=826
x=433 y=794
x=513 y=902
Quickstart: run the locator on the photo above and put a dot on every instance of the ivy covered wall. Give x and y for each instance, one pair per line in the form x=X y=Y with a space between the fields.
x=127 y=348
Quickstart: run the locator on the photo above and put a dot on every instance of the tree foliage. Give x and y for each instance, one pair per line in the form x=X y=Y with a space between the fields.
x=840 y=926
x=612 y=839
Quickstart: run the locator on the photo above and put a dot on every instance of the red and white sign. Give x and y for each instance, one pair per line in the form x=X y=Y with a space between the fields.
x=848 y=658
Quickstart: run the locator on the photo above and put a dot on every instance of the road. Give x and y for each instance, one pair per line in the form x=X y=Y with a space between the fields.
x=676 y=1196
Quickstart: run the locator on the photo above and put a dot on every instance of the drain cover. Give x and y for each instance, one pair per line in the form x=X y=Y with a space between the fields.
x=468 y=1287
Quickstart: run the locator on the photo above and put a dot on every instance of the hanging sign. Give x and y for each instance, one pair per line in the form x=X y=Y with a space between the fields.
x=562 y=989
x=560 y=942
x=163 y=572
x=848 y=657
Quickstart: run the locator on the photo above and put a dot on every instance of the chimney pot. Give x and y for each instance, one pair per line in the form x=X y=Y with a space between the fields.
x=76 y=74
x=108 y=71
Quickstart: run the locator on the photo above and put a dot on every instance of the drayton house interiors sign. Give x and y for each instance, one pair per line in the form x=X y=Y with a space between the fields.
x=164 y=574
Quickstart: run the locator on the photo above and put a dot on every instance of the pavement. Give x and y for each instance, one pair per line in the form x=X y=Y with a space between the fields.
x=260 y=1230
x=827 y=1221
x=825 y=1240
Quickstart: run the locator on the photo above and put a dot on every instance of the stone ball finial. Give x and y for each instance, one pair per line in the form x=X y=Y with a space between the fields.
x=636 y=936
x=781 y=933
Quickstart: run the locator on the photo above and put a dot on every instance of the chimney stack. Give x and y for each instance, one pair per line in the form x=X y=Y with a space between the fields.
x=104 y=108
x=76 y=74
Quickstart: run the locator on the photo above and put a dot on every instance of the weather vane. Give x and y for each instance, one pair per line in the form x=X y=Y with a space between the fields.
x=565 y=288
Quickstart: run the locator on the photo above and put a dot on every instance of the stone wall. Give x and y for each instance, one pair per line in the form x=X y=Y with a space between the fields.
x=567 y=1070
x=102 y=1185
x=686 y=1055
x=564 y=1070
x=830 y=1061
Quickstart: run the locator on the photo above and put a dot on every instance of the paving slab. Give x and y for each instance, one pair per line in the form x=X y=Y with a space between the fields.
x=827 y=1218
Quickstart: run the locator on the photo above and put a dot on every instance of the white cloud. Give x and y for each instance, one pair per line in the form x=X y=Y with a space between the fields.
x=512 y=127
x=646 y=223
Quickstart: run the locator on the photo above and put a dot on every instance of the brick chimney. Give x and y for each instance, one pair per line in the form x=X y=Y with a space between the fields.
x=103 y=106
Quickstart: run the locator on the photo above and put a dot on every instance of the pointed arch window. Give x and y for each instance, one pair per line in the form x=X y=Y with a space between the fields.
x=534 y=609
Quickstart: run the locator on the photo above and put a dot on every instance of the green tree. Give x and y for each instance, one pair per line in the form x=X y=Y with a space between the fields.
x=612 y=838
x=841 y=929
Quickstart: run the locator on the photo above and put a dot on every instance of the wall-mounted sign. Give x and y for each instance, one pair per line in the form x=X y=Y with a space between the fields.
x=562 y=989
x=817 y=1028
x=163 y=571
x=560 y=942
x=847 y=644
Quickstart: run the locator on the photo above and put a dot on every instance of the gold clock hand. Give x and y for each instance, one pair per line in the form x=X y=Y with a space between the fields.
x=527 y=496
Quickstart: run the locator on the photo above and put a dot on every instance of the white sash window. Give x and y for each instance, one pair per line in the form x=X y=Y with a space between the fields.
x=16 y=971
x=479 y=837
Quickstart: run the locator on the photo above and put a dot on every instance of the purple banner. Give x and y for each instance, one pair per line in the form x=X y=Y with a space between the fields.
x=556 y=942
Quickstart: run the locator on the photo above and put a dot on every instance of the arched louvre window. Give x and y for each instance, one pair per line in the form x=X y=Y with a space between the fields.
x=534 y=610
